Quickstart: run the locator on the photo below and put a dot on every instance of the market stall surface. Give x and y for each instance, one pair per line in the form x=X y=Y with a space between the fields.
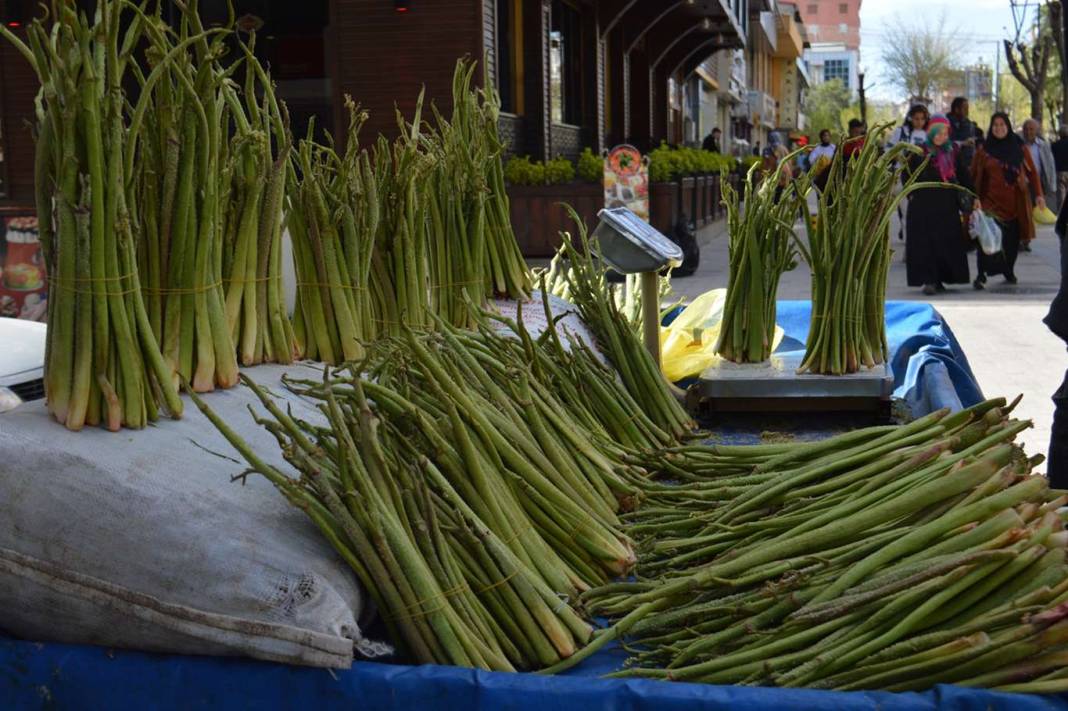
x=930 y=371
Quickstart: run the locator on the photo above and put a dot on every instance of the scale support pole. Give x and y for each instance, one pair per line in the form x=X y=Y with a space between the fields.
x=651 y=314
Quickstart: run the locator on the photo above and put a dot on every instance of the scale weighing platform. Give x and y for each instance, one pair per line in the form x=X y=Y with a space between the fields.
x=776 y=386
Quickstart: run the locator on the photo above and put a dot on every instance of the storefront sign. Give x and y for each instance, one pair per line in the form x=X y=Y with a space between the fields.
x=626 y=180
x=23 y=293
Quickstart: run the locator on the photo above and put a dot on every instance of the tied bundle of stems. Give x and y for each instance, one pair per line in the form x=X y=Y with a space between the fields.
x=761 y=249
x=333 y=219
x=885 y=558
x=400 y=262
x=464 y=249
x=627 y=294
x=849 y=253
x=451 y=591
x=616 y=337
x=256 y=164
x=103 y=363
x=180 y=186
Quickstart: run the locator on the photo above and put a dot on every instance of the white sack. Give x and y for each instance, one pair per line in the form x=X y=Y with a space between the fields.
x=140 y=539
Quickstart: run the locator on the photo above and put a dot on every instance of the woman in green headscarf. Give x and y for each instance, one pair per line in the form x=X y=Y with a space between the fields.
x=936 y=247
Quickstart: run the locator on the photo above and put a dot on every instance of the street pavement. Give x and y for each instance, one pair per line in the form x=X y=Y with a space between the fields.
x=1000 y=329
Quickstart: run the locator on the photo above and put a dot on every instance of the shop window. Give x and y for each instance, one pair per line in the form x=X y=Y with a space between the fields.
x=509 y=55
x=565 y=64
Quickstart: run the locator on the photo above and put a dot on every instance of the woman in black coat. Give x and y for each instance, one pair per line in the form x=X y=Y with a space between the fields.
x=936 y=252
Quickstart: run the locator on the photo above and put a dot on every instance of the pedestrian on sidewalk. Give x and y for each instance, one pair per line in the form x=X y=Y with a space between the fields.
x=1042 y=156
x=1004 y=177
x=1060 y=162
x=711 y=142
x=858 y=134
x=1057 y=320
x=819 y=160
x=936 y=251
x=914 y=131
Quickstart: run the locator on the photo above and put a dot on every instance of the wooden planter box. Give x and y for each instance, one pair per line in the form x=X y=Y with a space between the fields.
x=663 y=205
x=538 y=216
x=715 y=209
x=700 y=202
x=687 y=192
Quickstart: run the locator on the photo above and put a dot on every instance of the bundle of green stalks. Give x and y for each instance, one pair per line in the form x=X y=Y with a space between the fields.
x=889 y=558
x=180 y=183
x=761 y=249
x=477 y=116
x=450 y=589
x=589 y=291
x=849 y=252
x=627 y=294
x=484 y=470
x=256 y=160
x=455 y=165
x=333 y=218
x=103 y=363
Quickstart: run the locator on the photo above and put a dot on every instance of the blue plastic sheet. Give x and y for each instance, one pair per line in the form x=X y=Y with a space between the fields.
x=36 y=676
x=929 y=367
x=930 y=371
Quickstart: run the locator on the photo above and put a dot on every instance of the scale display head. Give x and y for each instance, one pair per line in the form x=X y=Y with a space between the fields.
x=630 y=245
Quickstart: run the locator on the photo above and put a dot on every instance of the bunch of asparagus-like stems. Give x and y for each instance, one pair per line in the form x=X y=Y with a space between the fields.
x=103 y=363
x=761 y=238
x=892 y=557
x=848 y=250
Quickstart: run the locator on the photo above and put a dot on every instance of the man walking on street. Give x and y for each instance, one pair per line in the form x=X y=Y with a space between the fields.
x=1057 y=320
x=1042 y=156
x=1060 y=162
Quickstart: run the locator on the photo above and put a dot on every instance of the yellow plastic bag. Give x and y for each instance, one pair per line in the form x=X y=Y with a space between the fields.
x=1044 y=216
x=687 y=346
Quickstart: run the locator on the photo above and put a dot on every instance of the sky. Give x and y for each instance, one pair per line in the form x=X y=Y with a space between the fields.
x=982 y=25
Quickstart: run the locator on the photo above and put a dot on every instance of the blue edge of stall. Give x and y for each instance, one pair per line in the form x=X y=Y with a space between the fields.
x=930 y=372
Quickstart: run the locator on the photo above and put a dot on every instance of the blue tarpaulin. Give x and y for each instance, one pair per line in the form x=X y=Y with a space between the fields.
x=930 y=368
x=930 y=371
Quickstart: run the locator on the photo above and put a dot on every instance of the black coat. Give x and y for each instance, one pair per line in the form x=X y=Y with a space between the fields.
x=1057 y=320
x=936 y=250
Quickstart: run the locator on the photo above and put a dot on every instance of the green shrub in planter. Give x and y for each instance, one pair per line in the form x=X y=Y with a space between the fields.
x=521 y=170
x=591 y=167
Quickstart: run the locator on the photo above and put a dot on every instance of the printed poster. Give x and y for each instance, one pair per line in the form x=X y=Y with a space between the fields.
x=23 y=291
x=626 y=180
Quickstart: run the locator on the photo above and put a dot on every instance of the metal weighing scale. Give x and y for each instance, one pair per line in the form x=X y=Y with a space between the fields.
x=630 y=245
x=776 y=386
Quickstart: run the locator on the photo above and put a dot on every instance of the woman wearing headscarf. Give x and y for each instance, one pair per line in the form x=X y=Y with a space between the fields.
x=935 y=251
x=913 y=131
x=1005 y=176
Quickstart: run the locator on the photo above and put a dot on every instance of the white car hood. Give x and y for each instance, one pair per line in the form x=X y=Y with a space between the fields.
x=22 y=350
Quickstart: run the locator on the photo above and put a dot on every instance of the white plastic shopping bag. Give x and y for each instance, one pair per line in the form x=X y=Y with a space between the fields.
x=986 y=230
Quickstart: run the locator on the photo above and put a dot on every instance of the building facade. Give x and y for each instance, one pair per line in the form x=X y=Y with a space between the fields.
x=833 y=30
x=570 y=73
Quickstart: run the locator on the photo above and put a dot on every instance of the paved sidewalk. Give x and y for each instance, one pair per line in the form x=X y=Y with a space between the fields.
x=1001 y=330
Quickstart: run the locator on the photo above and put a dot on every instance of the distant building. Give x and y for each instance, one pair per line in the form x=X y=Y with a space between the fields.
x=833 y=28
x=975 y=83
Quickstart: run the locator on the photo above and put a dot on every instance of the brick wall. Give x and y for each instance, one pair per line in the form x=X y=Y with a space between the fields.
x=826 y=21
x=384 y=57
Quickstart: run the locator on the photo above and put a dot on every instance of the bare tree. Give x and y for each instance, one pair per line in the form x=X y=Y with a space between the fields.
x=1029 y=62
x=921 y=57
